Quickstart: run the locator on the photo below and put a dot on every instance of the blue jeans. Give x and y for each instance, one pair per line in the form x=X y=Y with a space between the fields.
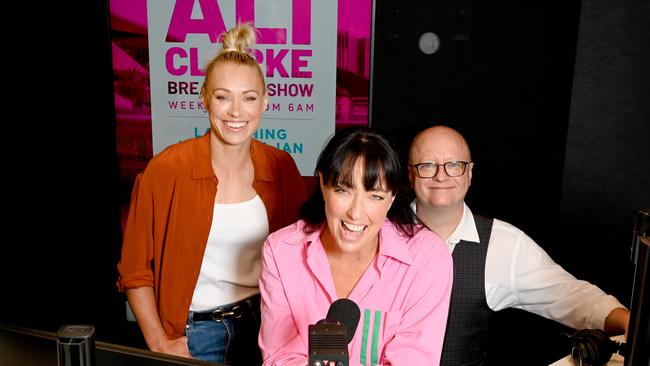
x=230 y=341
x=208 y=340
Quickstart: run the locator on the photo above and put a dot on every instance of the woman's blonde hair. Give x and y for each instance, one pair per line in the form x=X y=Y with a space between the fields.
x=237 y=43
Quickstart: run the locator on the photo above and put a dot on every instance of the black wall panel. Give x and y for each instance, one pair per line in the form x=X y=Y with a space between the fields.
x=502 y=76
x=560 y=141
x=607 y=169
x=62 y=231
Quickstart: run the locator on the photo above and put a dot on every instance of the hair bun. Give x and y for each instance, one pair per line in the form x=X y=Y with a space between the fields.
x=241 y=38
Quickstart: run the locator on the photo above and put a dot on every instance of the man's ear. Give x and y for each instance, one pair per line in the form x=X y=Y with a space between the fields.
x=469 y=173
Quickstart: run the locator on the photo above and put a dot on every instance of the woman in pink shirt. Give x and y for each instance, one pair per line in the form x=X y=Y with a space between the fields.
x=356 y=240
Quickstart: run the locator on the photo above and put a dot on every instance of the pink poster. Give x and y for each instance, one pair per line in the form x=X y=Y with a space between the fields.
x=132 y=81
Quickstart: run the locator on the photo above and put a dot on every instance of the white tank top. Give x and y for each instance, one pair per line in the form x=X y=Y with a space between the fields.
x=232 y=261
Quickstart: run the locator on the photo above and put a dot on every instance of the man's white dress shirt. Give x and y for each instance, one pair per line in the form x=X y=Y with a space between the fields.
x=519 y=274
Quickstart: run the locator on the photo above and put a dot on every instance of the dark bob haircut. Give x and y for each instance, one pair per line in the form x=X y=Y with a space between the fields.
x=383 y=165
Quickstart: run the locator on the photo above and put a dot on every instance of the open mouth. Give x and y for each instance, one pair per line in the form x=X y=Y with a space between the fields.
x=235 y=125
x=353 y=229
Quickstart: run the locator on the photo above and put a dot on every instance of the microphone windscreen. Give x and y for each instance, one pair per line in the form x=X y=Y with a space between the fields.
x=347 y=313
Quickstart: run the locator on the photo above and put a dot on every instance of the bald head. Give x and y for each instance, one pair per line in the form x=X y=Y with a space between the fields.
x=441 y=195
x=449 y=141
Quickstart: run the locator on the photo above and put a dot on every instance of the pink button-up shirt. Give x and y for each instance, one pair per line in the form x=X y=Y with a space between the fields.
x=403 y=297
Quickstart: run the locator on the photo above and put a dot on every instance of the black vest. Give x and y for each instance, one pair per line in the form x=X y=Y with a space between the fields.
x=466 y=337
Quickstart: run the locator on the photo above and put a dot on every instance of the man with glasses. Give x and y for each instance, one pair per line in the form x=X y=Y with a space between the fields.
x=496 y=265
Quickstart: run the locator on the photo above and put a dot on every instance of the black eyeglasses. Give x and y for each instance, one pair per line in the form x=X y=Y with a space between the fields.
x=452 y=168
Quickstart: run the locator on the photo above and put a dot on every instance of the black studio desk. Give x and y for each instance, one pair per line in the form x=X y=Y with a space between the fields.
x=28 y=347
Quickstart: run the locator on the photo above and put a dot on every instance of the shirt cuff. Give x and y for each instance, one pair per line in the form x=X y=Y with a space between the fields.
x=602 y=310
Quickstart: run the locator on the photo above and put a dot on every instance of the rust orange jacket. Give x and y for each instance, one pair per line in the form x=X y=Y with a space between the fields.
x=171 y=214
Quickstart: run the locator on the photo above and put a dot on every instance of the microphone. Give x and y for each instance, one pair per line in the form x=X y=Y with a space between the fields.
x=329 y=337
x=347 y=313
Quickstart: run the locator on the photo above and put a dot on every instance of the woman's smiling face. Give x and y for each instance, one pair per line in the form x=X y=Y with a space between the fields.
x=354 y=214
x=235 y=99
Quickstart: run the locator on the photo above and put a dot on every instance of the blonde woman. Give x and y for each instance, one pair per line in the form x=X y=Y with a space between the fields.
x=199 y=215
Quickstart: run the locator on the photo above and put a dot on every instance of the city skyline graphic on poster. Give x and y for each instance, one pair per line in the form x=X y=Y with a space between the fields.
x=133 y=76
